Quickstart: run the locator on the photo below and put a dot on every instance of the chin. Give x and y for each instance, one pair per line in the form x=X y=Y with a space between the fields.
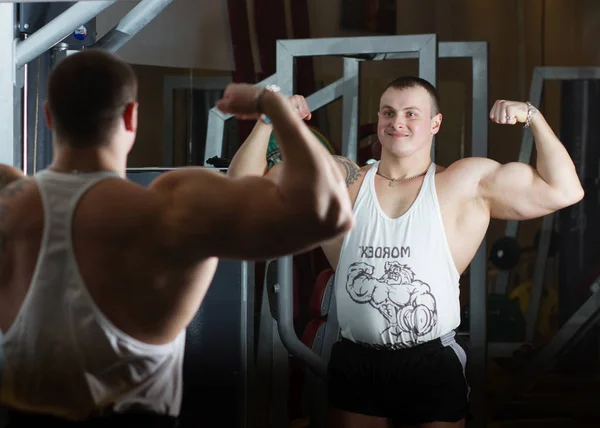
x=398 y=148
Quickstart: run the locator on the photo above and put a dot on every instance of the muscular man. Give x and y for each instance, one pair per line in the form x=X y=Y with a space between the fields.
x=418 y=226
x=99 y=277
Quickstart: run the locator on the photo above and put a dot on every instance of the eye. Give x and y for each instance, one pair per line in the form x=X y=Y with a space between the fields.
x=411 y=114
x=388 y=113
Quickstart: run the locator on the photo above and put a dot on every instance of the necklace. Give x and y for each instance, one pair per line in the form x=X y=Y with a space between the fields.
x=393 y=181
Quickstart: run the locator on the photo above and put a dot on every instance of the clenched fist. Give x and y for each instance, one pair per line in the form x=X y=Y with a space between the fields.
x=509 y=112
x=239 y=99
x=300 y=106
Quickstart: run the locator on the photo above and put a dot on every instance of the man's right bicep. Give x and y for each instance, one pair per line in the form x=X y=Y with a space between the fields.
x=246 y=218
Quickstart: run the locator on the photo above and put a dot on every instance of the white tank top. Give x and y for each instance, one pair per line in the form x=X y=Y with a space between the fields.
x=62 y=356
x=396 y=281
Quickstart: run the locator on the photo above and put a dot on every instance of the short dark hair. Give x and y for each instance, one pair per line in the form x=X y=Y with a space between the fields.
x=87 y=94
x=406 y=82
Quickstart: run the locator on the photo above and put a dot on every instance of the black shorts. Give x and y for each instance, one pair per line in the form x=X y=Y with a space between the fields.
x=16 y=419
x=410 y=386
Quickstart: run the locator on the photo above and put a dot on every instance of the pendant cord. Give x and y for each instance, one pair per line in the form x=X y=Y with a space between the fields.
x=393 y=181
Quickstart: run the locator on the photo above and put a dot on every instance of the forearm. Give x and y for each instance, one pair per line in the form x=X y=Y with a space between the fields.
x=554 y=165
x=299 y=146
x=309 y=175
x=250 y=159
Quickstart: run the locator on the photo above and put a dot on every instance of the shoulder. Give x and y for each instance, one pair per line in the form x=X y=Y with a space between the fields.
x=471 y=169
x=465 y=175
x=352 y=172
x=10 y=175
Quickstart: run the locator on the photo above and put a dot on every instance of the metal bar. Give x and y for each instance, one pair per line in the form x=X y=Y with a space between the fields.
x=168 y=127
x=428 y=69
x=285 y=68
x=396 y=55
x=285 y=319
x=539 y=273
x=350 y=108
x=461 y=49
x=428 y=55
x=57 y=29
x=325 y=95
x=10 y=129
x=214 y=135
x=344 y=46
x=247 y=365
x=477 y=367
x=11 y=82
x=131 y=24
x=569 y=73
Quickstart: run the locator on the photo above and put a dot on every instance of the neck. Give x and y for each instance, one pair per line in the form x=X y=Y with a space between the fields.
x=94 y=159
x=400 y=168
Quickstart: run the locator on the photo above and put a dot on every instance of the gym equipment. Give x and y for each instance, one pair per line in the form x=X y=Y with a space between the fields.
x=586 y=316
x=505 y=253
x=270 y=406
x=578 y=224
x=320 y=335
x=540 y=74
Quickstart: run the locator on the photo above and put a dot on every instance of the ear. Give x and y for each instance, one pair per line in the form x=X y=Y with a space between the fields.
x=47 y=115
x=130 y=117
x=436 y=122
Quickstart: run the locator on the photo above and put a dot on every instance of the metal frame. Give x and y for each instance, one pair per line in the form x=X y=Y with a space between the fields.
x=172 y=83
x=57 y=29
x=540 y=74
x=18 y=53
x=353 y=49
x=131 y=24
x=11 y=83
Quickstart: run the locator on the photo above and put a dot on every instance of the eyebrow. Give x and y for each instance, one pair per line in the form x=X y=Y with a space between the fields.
x=406 y=108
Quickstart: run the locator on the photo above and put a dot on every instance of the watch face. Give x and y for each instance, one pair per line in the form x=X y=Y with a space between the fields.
x=273 y=88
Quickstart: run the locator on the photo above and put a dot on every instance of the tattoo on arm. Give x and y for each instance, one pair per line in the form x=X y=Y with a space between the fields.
x=7 y=178
x=7 y=193
x=352 y=170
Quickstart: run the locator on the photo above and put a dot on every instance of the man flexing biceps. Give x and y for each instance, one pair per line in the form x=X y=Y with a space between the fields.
x=397 y=361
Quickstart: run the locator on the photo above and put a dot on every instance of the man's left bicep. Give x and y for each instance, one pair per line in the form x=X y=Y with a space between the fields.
x=515 y=191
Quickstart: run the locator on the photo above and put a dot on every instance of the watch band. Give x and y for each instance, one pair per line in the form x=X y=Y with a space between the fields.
x=270 y=88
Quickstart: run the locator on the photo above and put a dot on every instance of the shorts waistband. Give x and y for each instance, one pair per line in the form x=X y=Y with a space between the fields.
x=442 y=341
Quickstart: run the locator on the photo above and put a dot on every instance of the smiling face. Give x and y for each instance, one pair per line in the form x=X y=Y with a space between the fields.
x=407 y=121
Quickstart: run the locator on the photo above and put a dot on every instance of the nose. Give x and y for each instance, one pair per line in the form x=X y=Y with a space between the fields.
x=398 y=122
